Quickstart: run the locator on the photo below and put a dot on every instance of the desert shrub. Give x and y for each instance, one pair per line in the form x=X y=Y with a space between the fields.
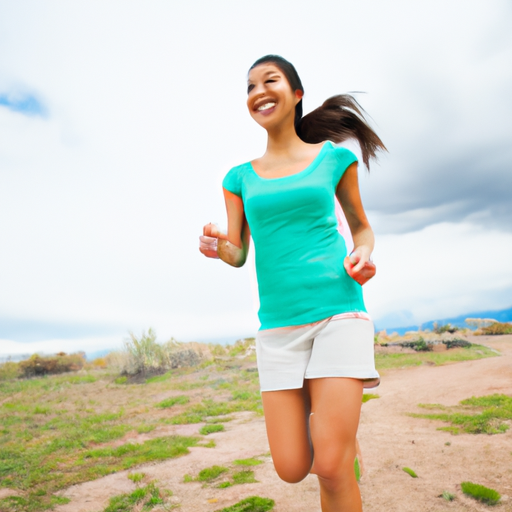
x=420 y=345
x=497 y=328
x=145 y=356
x=37 y=365
x=457 y=343
x=9 y=371
x=99 y=362
x=481 y=493
x=440 y=329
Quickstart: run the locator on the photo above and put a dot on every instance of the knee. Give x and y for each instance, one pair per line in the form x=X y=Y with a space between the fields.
x=335 y=471
x=292 y=473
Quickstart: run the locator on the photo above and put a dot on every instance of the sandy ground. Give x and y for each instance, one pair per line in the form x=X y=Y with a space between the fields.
x=389 y=438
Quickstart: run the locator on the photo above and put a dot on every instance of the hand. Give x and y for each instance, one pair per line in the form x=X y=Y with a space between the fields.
x=359 y=266
x=208 y=242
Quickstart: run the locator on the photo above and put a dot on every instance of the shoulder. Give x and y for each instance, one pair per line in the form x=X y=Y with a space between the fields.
x=343 y=155
x=235 y=177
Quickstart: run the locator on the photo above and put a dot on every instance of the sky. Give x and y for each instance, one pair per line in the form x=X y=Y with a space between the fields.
x=119 y=119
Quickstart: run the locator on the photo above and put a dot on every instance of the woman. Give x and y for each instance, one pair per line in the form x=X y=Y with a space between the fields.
x=315 y=344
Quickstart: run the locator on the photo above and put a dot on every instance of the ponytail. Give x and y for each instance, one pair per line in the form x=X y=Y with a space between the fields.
x=338 y=119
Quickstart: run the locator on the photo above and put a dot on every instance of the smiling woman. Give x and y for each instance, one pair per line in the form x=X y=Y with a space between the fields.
x=315 y=343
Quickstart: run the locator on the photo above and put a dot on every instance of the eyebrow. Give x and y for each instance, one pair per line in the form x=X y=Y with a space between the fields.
x=266 y=74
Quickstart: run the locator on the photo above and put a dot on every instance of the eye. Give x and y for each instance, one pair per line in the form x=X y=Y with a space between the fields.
x=270 y=81
x=250 y=88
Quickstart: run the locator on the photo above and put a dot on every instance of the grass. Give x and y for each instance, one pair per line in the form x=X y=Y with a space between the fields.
x=480 y=493
x=175 y=400
x=410 y=472
x=251 y=504
x=210 y=474
x=210 y=429
x=369 y=396
x=357 y=469
x=489 y=414
x=248 y=462
x=143 y=499
x=245 y=476
x=448 y=496
x=390 y=361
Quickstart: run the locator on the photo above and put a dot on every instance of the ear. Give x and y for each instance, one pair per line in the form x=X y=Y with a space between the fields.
x=299 y=94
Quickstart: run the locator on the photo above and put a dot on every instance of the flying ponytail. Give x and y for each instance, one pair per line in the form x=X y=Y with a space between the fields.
x=338 y=119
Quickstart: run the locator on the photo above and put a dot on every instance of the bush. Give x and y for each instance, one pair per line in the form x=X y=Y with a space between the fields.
x=144 y=356
x=440 y=329
x=455 y=343
x=9 y=371
x=497 y=328
x=419 y=346
x=481 y=493
x=37 y=366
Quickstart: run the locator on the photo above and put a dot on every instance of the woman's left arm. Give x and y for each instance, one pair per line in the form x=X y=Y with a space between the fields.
x=358 y=264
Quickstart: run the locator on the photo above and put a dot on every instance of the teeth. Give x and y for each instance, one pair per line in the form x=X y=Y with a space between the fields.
x=266 y=106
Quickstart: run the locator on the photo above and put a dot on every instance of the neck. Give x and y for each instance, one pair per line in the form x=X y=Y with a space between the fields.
x=283 y=140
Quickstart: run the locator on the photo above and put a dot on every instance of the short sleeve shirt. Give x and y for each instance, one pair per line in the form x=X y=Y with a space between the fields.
x=299 y=250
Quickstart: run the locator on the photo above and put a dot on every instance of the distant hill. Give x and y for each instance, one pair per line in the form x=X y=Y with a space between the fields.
x=501 y=315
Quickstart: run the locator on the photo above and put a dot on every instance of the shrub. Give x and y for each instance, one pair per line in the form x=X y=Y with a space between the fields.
x=456 y=343
x=481 y=493
x=440 y=329
x=9 y=371
x=37 y=365
x=419 y=346
x=497 y=328
x=144 y=356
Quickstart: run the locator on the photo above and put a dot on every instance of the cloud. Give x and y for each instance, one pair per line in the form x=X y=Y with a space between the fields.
x=23 y=103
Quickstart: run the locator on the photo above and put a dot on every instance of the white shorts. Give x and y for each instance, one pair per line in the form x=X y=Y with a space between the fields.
x=339 y=346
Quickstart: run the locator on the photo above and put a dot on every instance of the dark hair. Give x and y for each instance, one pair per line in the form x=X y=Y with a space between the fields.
x=338 y=119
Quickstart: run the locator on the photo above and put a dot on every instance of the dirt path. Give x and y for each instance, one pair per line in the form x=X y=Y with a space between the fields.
x=389 y=440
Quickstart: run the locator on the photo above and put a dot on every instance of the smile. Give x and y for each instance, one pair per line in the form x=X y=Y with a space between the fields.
x=266 y=106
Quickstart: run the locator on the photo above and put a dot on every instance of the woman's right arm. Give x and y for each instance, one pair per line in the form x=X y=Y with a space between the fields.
x=233 y=247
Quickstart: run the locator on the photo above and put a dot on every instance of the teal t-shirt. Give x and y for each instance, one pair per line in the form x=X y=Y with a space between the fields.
x=299 y=251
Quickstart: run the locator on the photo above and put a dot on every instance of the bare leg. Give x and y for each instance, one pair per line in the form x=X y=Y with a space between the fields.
x=286 y=419
x=336 y=406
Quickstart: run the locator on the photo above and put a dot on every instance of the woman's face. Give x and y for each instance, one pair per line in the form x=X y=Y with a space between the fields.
x=270 y=98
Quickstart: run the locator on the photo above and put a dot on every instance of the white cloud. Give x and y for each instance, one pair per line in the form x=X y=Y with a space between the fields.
x=101 y=203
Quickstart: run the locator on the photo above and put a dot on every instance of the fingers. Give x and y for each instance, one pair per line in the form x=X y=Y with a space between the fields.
x=362 y=272
x=208 y=246
x=210 y=229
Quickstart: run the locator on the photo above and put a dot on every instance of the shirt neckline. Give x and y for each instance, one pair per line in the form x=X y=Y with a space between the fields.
x=309 y=168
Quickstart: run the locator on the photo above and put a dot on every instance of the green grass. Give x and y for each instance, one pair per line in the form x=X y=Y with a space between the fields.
x=483 y=415
x=357 y=469
x=248 y=462
x=448 y=496
x=369 y=396
x=145 y=498
x=210 y=474
x=175 y=400
x=480 y=493
x=410 y=472
x=243 y=477
x=210 y=429
x=251 y=504
x=57 y=431
x=390 y=361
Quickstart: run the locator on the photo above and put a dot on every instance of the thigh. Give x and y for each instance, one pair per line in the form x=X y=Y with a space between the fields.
x=335 y=411
x=286 y=419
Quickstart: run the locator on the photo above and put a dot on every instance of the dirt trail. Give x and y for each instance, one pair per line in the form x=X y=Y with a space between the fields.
x=389 y=440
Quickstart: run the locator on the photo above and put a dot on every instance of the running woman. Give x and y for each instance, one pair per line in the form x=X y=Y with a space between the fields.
x=315 y=344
